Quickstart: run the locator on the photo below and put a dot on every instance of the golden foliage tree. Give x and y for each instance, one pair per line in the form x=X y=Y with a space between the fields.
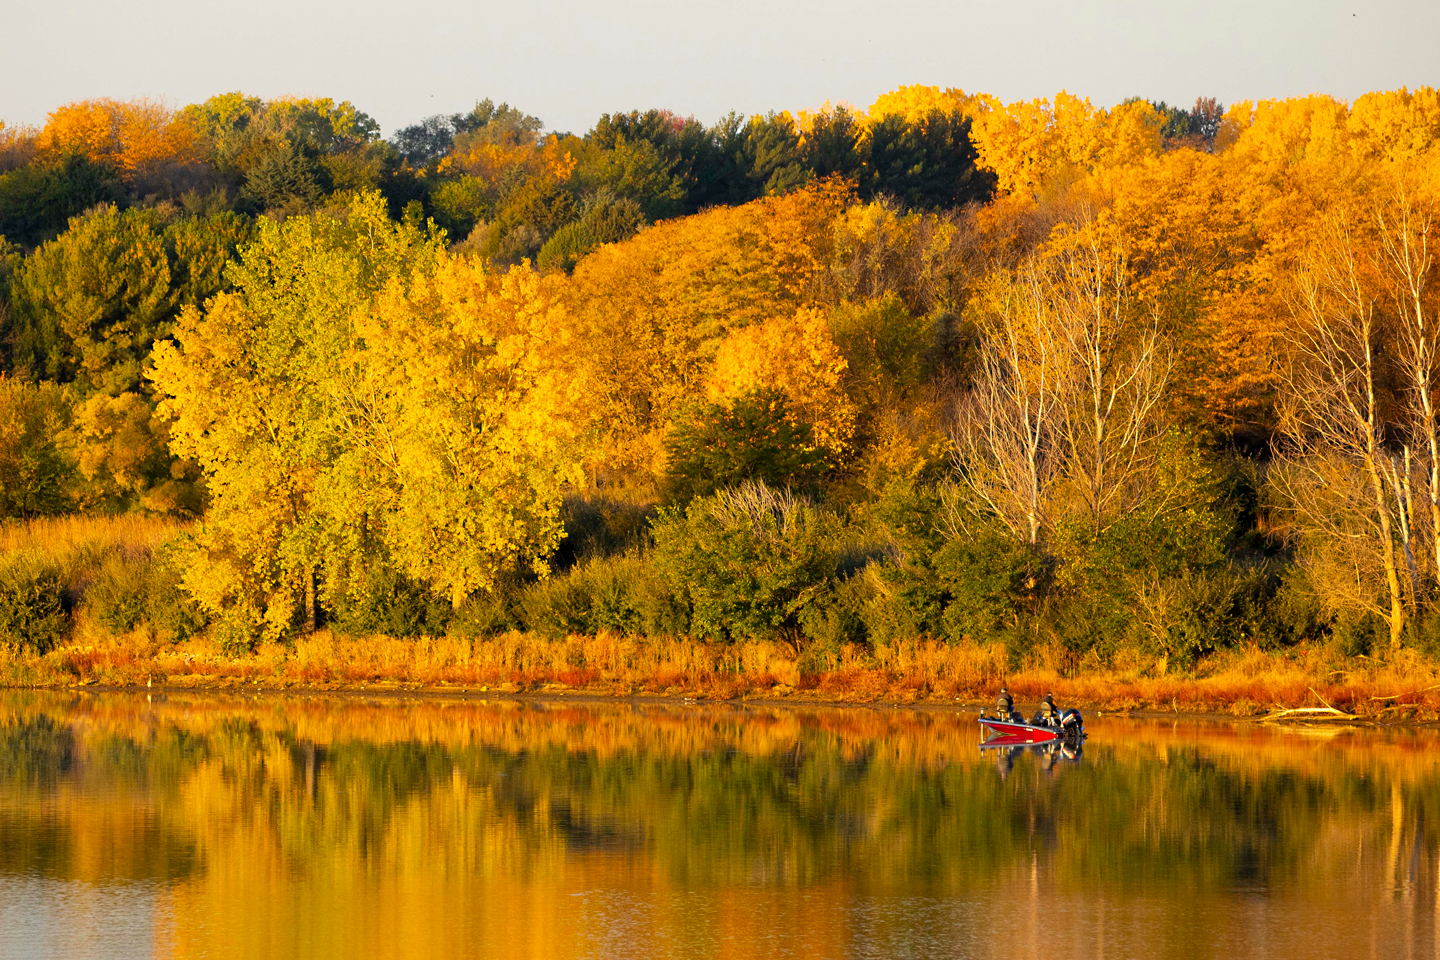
x=650 y=313
x=797 y=356
x=137 y=136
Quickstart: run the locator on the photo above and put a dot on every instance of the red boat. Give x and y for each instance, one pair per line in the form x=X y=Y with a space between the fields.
x=1017 y=734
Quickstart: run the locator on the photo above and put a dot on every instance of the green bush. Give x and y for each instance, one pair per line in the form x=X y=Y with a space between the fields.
x=604 y=218
x=566 y=247
x=598 y=526
x=461 y=203
x=1199 y=611
x=171 y=609
x=33 y=616
x=35 y=477
x=748 y=561
x=936 y=583
x=486 y=614
x=835 y=617
x=118 y=596
x=127 y=590
x=624 y=594
x=384 y=601
x=751 y=438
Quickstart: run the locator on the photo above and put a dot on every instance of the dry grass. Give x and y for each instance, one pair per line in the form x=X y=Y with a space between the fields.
x=60 y=536
x=1245 y=683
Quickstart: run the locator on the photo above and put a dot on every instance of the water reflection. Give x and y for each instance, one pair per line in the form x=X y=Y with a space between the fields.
x=341 y=827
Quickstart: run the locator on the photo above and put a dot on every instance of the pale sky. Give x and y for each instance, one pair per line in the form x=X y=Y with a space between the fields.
x=567 y=61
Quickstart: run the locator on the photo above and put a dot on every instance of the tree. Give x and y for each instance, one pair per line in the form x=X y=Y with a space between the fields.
x=252 y=386
x=286 y=178
x=650 y=313
x=137 y=137
x=1062 y=424
x=1361 y=453
x=361 y=398
x=796 y=356
x=89 y=306
x=38 y=199
x=1334 y=421
x=458 y=425
x=35 y=476
x=925 y=162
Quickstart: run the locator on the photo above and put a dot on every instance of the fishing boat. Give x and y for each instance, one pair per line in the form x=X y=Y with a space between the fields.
x=1016 y=733
x=1015 y=730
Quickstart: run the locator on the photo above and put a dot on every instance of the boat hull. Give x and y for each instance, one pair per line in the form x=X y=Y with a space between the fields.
x=1019 y=733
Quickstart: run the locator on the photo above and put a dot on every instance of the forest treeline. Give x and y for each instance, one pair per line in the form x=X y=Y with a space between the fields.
x=1122 y=385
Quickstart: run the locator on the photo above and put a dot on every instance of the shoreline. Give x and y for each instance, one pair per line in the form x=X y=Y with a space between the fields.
x=418 y=692
x=913 y=674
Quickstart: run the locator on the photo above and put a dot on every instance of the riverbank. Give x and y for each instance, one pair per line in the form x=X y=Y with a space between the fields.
x=1403 y=688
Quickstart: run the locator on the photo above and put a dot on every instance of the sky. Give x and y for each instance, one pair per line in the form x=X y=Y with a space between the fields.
x=567 y=61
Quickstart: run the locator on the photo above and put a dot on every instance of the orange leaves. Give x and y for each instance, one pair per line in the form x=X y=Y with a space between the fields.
x=651 y=312
x=1396 y=125
x=137 y=136
x=551 y=160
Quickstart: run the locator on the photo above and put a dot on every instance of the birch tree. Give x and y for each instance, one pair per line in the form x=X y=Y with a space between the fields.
x=1062 y=419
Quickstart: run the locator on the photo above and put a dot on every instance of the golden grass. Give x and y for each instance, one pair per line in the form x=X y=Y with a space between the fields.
x=63 y=535
x=1244 y=682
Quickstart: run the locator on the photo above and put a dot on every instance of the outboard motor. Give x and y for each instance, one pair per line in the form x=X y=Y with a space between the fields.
x=1071 y=724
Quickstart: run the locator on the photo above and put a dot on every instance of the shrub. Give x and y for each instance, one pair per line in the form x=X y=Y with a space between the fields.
x=135 y=587
x=1199 y=611
x=598 y=526
x=751 y=438
x=565 y=249
x=118 y=596
x=32 y=603
x=171 y=609
x=624 y=594
x=749 y=560
x=460 y=204
x=486 y=614
x=384 y=601
x=35 y=478
x=836 y=616
x=969 y=579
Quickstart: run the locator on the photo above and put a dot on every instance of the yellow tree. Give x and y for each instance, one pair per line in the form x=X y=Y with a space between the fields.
x=650 y=313
x=797 y=356
x=1032 y=145
x=251 y=385
x=458 y=426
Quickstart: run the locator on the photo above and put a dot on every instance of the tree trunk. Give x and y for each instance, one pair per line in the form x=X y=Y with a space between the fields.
x=309 y=601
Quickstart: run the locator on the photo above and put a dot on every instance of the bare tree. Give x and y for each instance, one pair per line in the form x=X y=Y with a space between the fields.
x=1332 y=413
x=1063 y=414
x=1008 y=428
x=1404 y=263
x=1118 y=369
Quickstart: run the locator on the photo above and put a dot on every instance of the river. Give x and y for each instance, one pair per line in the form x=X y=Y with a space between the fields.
x=136 y=825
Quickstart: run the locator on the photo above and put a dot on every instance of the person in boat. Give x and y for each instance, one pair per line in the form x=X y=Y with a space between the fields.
x=1049 y=714
x=1004 y=704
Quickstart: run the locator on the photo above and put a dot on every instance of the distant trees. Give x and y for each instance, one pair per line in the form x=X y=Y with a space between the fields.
x=86 y=309
x=1129 y=376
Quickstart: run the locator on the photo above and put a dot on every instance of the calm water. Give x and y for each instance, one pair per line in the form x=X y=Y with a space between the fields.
x=282 y=828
